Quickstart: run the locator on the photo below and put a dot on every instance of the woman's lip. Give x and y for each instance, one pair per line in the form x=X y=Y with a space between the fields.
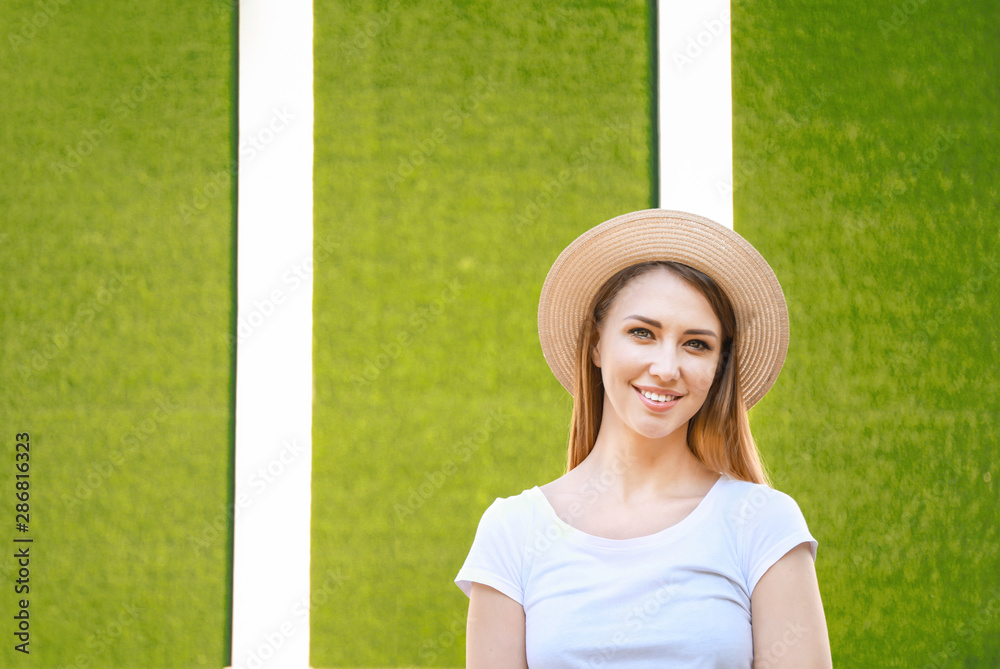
x=656 y=406
x=658 y=391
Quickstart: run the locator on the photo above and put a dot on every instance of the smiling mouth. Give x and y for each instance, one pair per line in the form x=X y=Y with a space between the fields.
x=658 y=398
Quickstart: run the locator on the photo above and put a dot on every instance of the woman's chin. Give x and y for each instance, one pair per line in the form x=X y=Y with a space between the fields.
x=658 y=431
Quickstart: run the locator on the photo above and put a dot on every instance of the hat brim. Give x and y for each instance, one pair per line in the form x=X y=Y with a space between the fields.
x=659 y=234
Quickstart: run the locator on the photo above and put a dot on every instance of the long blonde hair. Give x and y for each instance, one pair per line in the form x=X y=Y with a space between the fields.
x=719 y=434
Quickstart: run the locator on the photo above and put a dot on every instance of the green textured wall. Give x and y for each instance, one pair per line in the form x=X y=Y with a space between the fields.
x=458 y=148
x=116 y=245
x=866 y=155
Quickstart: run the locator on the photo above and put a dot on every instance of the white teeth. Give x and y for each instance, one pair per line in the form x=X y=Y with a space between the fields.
x=658 y=398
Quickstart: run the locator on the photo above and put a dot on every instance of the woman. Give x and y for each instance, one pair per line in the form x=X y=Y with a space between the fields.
x=662 y=545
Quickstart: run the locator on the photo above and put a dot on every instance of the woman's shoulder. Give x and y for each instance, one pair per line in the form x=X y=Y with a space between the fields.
x=744 y=501
x=765 y=524
x=739 y=490
x=515 y=508
x=496 y=558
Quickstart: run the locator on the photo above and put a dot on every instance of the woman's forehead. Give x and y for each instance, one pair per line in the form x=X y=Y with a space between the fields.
x=661 y=293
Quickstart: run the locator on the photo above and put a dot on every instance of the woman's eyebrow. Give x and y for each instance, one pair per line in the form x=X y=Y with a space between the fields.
x=648 y=321
x=709 y=333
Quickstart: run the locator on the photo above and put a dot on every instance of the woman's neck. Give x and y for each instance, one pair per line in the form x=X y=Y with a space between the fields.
x=637 y=466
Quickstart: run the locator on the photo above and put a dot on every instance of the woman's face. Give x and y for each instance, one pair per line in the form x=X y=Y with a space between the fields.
x=658 y=349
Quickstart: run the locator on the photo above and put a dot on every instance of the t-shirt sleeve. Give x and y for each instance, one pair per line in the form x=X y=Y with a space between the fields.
x=773 y=526
x=497 y=552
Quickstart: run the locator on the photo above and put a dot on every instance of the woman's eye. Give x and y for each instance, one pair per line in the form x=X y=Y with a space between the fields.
x=699 y=345
x=641 y=333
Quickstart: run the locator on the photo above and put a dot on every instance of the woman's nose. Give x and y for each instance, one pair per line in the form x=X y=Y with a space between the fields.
x=665 y=363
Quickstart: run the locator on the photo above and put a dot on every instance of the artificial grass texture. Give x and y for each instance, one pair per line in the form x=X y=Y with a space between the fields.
x=884 y=421
x=114 y=330
x=458 y=148
x=868 y=141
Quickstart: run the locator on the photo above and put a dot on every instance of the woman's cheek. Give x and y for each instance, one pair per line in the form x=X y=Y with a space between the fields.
x=706 y=375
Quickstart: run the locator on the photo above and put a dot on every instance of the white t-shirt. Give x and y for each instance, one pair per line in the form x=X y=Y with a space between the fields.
x=677 y=598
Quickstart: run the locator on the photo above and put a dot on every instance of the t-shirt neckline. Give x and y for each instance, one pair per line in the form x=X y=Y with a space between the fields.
x=666 y=534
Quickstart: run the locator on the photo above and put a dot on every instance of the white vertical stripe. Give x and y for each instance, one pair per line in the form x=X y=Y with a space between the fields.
x=696 y=108
x=274 y=336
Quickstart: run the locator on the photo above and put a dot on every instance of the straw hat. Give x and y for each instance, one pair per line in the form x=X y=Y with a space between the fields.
x=658 y=234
